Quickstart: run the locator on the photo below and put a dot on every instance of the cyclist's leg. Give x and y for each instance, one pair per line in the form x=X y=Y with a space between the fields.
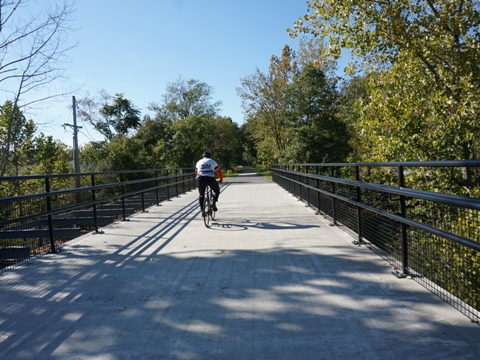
x=216 y=189
x=201 y=191
x=216 y=192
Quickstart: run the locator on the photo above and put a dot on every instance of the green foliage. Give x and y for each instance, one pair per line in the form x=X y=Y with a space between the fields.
x=185 y=98
x=441 y=35
x=227 y=145
x=315 y=133
x=185 y=125
x=49 y=156
x=265 y=102
x=192 y=136
x=16 y=136
x=22 y=152
x=122 y=153
x=353 y=96
x=424 y=83
x=195 y=134
x=93 y=156
x=126 y=153
x=121 y=115
x=292 y=110
x=249 y=152
x=110 y=116
x=413 y=120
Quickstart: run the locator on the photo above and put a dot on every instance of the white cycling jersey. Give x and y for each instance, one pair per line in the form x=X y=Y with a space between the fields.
x=206 y=167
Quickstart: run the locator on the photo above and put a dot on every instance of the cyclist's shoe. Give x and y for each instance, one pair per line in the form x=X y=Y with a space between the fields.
x=204 y=214
x=214 y=207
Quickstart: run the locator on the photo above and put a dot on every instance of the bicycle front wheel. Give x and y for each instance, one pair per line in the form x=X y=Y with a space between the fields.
x=207 y=208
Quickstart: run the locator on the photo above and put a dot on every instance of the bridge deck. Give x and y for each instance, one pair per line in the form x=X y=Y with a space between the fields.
x=269 y=280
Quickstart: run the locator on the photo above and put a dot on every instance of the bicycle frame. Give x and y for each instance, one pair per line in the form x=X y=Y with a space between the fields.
x=207 y=207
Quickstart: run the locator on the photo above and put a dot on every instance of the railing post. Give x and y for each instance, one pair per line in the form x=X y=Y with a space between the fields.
x=156 y=188
x=49 y=216
x=403 y=227
x=306 y=188
x=194 y=180
x=292 y=183
x=319 y=197
x=334 y=203
x=176 y=182
x=299 y=179
x=95 y=221
x=168 y=185
x=183 y=181
x=359 y=209
x=142 y=192
x=123 y=198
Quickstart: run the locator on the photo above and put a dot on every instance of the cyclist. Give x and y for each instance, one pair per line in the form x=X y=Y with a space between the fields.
x=205 y=174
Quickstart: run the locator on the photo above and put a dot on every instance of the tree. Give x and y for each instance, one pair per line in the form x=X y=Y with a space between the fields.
x=314 y=131
x=94 y=156
x=265 y=102
x=183 y=124
x=126 y=153
x=153 y=134
x=195 y=134
x=185 y=98
x=352 y=97
x=190 y=138
x=292 y=110
x=313 y=52
x=226 y=146
x=249 y=152
x=28 y=153
x=440 y=34
x=121 y=153
x=110 y=116
x=49 y=156
x=422 y=60
x=16 y=139
x=121 y=116
x=33 y=48
x=412 y=119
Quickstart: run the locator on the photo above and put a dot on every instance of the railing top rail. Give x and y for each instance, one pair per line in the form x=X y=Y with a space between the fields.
x=81 y=189
x=32 y=177
x=444 y=163
x=457 y=200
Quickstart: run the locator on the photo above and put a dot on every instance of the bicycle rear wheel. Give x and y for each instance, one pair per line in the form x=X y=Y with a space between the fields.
x=213 y=213
x=211 y=197
x=207 y=208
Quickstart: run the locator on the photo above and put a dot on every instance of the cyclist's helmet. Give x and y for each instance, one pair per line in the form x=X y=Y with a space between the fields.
x=207 y=154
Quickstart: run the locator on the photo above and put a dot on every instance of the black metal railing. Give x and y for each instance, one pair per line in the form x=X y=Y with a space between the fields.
x=40 y=213
x=423 y=217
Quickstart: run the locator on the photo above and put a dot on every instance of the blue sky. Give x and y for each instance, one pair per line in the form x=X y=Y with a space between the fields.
x=138 y=47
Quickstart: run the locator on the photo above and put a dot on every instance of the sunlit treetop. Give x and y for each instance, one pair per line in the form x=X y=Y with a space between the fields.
x=441 y=33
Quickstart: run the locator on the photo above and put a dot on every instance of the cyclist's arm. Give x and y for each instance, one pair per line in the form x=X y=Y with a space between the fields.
x=220 y=174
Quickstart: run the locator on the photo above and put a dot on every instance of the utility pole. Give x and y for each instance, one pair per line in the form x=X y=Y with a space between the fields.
x=76 y=165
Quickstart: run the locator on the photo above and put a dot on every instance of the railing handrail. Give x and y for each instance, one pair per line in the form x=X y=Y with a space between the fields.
x=112 y=172
x=433 y=163
x=452 y=237
x=457 y=200
x=83 y=188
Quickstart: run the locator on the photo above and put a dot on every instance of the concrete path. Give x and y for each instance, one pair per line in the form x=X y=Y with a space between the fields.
x=269 y=280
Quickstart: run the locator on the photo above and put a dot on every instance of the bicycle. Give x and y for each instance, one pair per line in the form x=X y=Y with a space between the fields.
x=207 y=206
